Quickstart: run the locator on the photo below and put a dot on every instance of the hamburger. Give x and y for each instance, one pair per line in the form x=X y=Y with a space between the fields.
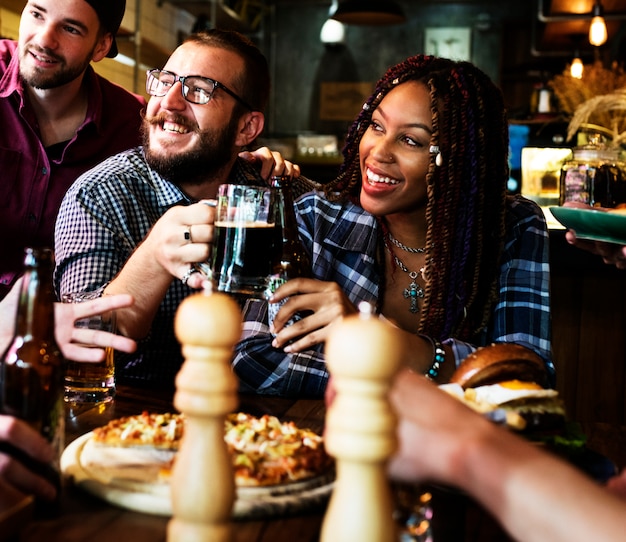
x=509 y=384
x=500 y=362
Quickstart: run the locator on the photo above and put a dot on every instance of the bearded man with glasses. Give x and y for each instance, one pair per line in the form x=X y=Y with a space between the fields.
x=136 y=223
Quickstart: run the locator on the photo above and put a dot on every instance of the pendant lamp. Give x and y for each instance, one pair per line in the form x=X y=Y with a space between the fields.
x=597 y=29
x=369 y=12
x=577 y=67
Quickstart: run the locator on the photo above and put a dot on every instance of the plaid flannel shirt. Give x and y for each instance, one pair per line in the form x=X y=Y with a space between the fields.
x=342 y=239
x=106 y=213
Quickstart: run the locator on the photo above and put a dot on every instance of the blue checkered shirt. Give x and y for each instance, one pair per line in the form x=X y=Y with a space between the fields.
x=342 y=239
x=105 y=214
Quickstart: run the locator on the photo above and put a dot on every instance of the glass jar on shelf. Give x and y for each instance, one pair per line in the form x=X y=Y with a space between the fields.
x=596 y=176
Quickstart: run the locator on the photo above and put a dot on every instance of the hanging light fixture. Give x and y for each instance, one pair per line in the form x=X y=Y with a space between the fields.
x=576 y=68
x=369 y=12
x=333 y=32
x=597 y=29
x=598 y=34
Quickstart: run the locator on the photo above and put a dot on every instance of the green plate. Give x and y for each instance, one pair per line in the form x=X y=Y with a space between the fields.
x=593 y=225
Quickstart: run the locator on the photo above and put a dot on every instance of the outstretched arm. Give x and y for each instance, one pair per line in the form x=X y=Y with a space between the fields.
x=534 y=495
x=70 y=338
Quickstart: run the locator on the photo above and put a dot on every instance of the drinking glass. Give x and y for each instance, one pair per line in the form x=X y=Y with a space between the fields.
x=87 y=382
x=246 y=240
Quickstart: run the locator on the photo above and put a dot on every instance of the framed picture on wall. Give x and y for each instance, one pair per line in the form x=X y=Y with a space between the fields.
x=449 y=42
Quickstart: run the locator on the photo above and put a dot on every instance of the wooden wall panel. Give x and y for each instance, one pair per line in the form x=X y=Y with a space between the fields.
x=588 y=333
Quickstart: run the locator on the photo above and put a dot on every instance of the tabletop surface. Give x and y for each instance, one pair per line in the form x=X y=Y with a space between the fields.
x=85 y=517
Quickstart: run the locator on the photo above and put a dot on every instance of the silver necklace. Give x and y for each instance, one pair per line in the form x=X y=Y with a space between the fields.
x=414 y=291
x=404 y=247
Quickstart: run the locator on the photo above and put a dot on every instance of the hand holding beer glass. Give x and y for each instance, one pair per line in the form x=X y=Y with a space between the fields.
x=87 y=382
x=246 y=240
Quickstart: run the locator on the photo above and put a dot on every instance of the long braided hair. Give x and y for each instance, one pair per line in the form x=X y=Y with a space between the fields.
x=466 y=194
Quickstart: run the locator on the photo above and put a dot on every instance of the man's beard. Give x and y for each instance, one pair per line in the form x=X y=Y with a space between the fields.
x=211 y=153
x=62 y=75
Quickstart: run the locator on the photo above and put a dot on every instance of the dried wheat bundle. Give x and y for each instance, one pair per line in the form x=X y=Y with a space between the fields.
x=607 y=111
x=596 y=81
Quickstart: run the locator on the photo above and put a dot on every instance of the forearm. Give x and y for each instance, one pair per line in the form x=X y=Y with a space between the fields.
x=533 y=494
x=422 y=356
x=147 y=282
x=266 y=371
x=263 y=369
x=536 y=496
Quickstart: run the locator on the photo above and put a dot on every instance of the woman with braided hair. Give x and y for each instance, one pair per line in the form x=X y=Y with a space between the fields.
x=418 y=223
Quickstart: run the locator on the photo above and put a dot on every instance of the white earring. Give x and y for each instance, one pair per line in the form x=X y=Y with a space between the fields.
x=434 y=149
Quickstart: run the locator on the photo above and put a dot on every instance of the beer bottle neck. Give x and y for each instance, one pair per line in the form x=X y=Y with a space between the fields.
x=287 y=214
x=35 y=311
x=295 y=261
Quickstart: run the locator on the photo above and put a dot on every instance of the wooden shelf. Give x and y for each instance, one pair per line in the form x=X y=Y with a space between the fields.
x=150 y=54
x=17 y=6
x=225 y=17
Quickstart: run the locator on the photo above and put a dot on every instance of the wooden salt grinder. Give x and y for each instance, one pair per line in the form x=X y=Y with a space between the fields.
x=203 y=487
x=363 y=354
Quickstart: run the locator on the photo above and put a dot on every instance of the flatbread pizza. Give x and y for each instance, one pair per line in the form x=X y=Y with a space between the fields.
x=264 y=450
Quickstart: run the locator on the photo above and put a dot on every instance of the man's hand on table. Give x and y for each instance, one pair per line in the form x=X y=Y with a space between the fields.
x=17 y=434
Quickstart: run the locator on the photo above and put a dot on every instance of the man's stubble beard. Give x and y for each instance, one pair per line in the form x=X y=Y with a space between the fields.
x=213 y=151
x=64 y=74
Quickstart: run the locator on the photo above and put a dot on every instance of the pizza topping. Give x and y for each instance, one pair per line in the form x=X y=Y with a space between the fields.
x=156 y=430
x=268 y=451
x=264 y=450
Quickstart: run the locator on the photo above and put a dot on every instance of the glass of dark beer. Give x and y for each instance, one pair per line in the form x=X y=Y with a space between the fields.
x=246 y=240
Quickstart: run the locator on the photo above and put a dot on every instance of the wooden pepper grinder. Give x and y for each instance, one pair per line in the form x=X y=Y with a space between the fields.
x=363 y=354
x=203 y=487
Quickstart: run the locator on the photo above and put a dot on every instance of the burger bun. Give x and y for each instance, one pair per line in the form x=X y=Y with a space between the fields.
x=499 y=363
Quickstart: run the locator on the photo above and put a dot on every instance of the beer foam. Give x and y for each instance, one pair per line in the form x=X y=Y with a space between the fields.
x=243 y=224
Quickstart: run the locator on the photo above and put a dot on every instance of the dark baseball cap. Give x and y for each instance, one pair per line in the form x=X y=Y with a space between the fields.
x=110 y=13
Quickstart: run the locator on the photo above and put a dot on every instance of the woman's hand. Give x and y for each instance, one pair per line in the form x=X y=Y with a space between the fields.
x=326 y=302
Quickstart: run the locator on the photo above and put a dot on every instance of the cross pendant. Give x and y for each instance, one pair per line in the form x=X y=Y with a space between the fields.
x=413 y=292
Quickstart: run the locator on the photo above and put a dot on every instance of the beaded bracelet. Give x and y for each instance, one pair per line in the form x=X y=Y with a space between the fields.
x=439 y=356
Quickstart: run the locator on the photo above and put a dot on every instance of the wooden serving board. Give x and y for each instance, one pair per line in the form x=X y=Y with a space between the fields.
x=138 y=488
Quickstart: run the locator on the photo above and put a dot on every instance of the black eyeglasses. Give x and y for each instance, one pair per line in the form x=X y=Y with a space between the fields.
x=195 y=89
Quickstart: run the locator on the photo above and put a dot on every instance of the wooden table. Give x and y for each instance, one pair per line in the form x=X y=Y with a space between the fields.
x=87 y=518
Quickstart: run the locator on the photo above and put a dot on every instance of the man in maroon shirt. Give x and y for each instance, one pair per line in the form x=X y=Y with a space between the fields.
x=58 y=117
